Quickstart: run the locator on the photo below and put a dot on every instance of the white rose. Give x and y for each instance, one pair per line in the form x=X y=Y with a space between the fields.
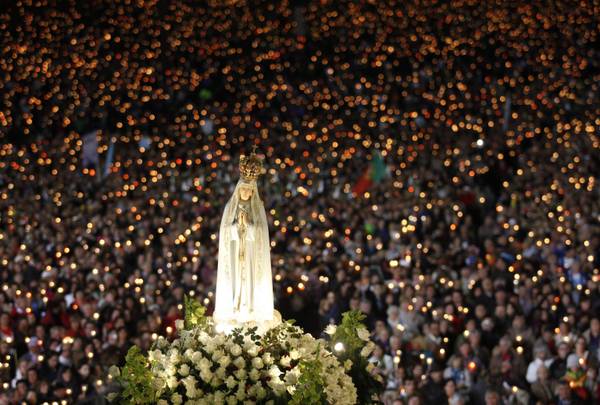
x=196 y=357
x=291 y=377
x=236 y=350
x=176 y=399
x=240 y=395
x=204 y=364
x=330 y=329
x=225 y=361
x=162 y=402
x=203 y=337
x=239 y=362
x=171 y=382
x=230 y=382
x=285 y=361
x=294 y=354
x=363 y=333
x=274 y=372
x=267 y=359
x=219 y=397
x=257 y=363
x=206 y=375
x=189 y=381
x=170 y=370
x=217 y=355
x=366 y=351
x=184 y=370
x=240 y=374
x=219 y=340
x=154 y=355
x=220 y=373
x=254 y=375
x=261 y=393
x=174 y=356
x=253 y=350
x=179 y=324
x=278 y=387
x=190 y=392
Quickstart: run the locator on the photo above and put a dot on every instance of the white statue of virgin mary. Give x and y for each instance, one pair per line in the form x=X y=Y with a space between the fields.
x=244 y=292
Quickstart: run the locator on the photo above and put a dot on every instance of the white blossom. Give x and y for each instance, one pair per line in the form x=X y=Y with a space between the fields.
x=239 y=362
x=176 y=399
x=285 y=361
x=230 y=382
x=257 y=363
x=240 y=374
x=225 y=361
x=184 y=370
x=366 y=351
x=274 y=372
x=267 y=359
x=363 y=333
x=236 y=350
x=190 y=361
x=196 y=357
x=254 y=374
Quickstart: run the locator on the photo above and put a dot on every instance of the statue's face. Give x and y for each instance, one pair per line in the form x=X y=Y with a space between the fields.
x=245 y=193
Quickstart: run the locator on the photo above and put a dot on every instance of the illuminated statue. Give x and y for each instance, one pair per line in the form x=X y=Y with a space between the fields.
x=244 y=280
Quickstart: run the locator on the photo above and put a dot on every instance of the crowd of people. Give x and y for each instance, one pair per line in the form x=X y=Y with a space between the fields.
x=472 y=246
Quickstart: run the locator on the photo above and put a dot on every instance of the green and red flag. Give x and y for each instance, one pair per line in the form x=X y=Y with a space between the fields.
x=375 y=173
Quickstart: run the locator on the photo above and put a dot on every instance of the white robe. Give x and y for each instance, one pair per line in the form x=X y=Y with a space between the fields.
x=251 y=281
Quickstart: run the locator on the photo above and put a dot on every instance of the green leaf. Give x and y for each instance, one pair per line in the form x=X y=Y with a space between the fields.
x=310 y=385
x=135 y=379
x=367 y=385
x=194 y=314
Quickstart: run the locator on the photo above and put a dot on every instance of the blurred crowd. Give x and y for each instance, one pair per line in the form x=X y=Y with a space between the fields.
x=474 y=251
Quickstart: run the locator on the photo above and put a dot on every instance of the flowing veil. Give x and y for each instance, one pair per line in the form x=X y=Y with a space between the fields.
x=262 y=294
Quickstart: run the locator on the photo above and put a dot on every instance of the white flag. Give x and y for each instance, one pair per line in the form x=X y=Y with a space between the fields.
x=89 y=153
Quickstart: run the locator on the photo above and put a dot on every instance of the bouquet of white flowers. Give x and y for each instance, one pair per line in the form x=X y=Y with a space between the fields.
x=201 y=366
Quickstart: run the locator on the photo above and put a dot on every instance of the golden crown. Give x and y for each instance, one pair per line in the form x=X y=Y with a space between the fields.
x=251 y=166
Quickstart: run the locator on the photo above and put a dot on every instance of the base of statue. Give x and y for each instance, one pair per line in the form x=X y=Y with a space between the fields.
x=247 y=321
x=244 y=363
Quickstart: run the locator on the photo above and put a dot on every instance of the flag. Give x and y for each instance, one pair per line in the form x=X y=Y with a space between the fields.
x=207 y=126
x=205 y=94
x=375 y=173
x=145 y=142
x=89 y=152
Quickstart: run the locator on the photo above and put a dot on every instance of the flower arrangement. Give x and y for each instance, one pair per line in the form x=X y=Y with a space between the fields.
x=350 y=341
x=283 y=366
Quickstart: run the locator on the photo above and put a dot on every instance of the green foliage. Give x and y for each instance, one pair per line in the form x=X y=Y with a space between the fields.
x=135 y=379
x=194 y=314
x=310 y=384
x=346 y=333
x=368 y=385
x=274 y=340
x=141 y=380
